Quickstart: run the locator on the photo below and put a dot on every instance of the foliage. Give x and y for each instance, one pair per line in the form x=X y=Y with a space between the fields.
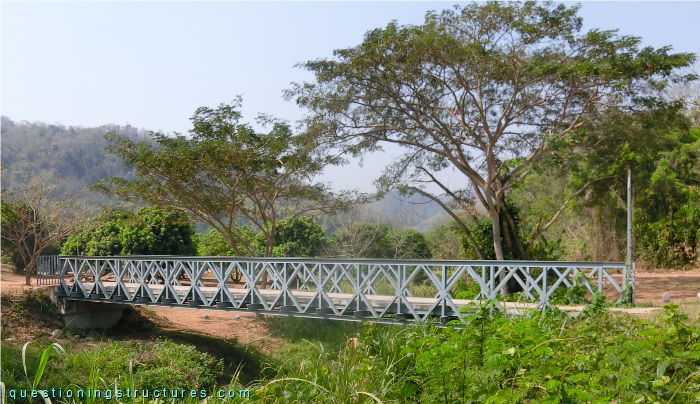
x=33 y=220
x=668 y=209
x=483 y=89
x=212 y=243
x=543 y=358
x=224 y=173
x=444 y=241
x=359 y=240
x=663 y=154
x=149 y=230
x=102 y=238
x=409 y=243
x=157 y=231
x=482 y=234
x=295 y=236
x=376 y=240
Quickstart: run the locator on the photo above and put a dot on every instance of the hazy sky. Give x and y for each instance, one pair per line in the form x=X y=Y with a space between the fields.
x=151 y=64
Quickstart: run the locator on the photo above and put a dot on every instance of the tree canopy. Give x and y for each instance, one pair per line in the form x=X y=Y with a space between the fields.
x=33 y=220
x=485 y=90
x=225 y=173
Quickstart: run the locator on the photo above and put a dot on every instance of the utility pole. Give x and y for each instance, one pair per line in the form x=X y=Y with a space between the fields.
x=628 y=283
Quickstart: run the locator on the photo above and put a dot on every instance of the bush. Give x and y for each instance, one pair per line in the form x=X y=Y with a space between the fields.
x=149 y=230
x=212 y=243
x=544 y=358
x=295 y=237
x=376 y=240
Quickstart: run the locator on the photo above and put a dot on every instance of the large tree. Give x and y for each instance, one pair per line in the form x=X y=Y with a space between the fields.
x=484 y=90
x=225 y=173
x=34 y=219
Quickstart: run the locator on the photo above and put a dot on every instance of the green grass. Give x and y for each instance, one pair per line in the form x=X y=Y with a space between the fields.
x=331 y=333
x=598 y=357
x=152 y=365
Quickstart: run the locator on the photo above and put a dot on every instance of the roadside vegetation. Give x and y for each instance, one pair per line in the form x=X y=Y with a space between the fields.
x=597 y=356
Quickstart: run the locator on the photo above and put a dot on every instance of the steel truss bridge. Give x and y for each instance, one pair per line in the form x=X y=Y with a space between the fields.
x=344 y=289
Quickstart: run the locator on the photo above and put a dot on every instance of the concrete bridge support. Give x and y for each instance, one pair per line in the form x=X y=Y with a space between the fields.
x=90 y=315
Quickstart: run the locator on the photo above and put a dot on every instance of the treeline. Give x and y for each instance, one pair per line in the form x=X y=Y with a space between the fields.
x=591 y=227
x=76 y=158
x=155 y=231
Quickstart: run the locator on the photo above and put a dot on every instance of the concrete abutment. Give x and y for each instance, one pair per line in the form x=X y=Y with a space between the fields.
x=89 y=315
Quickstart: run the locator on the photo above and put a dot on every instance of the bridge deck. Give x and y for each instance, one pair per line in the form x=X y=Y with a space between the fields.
x=354 y=289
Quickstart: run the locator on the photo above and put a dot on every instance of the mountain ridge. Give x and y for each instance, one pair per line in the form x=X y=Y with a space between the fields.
x=75 y=156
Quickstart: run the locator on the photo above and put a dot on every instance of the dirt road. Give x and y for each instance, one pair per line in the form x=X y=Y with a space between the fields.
x=650 y=286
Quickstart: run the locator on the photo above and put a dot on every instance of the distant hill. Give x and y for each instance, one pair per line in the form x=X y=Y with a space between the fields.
x=413 y=211
x=77 y=157
x=73 y=155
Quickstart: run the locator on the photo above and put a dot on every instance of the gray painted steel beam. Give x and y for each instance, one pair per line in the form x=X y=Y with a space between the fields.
x=349 y=289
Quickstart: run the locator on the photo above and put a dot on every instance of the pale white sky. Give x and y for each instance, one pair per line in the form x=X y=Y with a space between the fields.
x=151 y=64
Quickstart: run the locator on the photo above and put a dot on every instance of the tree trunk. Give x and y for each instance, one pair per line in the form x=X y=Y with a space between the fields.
x=514 y=234
x=503 y=227
x=29 y=271
x=498 y=243
x=268 y=253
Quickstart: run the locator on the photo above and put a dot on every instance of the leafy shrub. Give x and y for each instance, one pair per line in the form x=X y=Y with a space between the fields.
x=149 y=230
x=543 y=358
x=295 y=236
x=212 y=243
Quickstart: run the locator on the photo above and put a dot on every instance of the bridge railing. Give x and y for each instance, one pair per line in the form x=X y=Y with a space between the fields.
x=48 y=269
x=372 y=289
